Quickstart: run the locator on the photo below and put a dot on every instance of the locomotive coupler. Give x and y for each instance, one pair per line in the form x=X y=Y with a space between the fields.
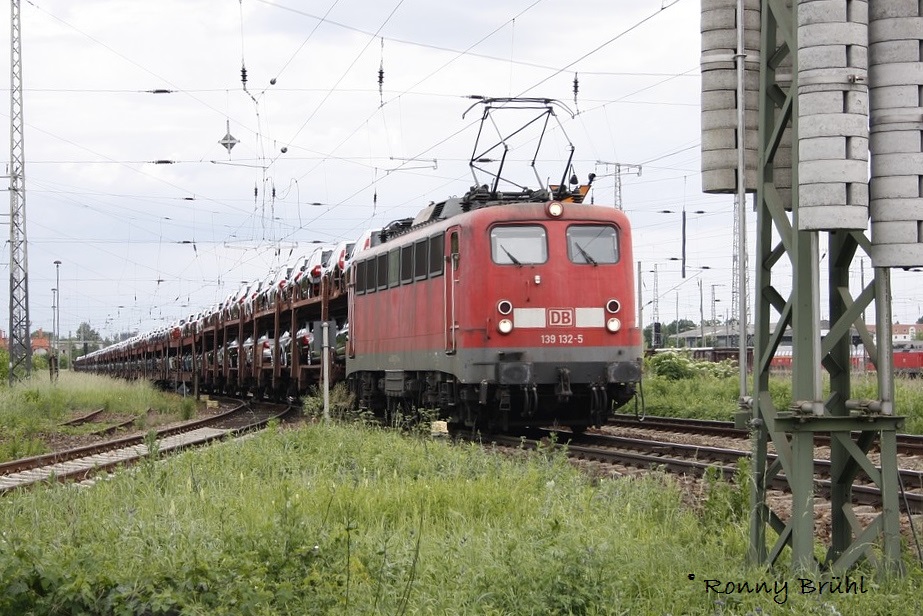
x=599 y=402
x=529 y=400
x=562 y=389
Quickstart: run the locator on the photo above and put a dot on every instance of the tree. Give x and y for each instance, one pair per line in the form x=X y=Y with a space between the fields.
x=88 y=340
x=119 y=337
x=87 y=333
x=666 y=331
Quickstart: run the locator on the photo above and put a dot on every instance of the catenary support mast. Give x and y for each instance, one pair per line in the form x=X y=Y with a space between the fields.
x=806 y=80
x=20 y=343
x=828 y=209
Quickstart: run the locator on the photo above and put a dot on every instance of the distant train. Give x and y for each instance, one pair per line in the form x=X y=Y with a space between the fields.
x=908 y=358
x=497 y=309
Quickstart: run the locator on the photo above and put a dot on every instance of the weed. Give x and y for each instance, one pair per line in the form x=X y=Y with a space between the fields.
x=187 y=409
x=152 y=444
x=726 y=502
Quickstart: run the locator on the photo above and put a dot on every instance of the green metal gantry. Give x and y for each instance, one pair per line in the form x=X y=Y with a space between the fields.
x=854 y=426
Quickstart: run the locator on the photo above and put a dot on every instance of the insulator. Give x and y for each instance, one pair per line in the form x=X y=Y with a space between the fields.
x=243 y=75
x=576 y=87
x=381 y=82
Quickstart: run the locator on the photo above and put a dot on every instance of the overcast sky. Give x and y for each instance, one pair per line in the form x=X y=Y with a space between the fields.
x=111 y=86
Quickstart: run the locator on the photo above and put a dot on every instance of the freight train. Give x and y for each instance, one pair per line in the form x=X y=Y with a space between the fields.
x=498 y=309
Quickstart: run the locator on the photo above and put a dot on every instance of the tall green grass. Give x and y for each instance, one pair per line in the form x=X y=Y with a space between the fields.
x=34 y=408
x=333 y=519
x=704 y=395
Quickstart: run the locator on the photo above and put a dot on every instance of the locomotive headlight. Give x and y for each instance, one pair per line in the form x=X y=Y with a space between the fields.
x=613 y=324
x=504 y=307
x=613 y=306
x=555 y=209
x=505 y=326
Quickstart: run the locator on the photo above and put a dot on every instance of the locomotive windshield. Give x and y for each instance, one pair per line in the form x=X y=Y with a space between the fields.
x=592 y=244
x=518 y=244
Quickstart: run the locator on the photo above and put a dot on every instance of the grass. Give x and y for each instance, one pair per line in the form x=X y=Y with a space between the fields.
x=706 y=396
x=335 y=519
x=351 y=519
x=35 y=408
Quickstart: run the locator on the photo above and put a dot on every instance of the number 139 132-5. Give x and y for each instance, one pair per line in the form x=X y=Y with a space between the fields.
x=562 y=338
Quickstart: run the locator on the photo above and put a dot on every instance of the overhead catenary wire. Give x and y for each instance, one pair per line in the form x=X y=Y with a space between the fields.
x=336 y=202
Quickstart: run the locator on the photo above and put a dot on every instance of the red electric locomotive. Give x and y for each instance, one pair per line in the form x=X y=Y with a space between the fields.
x=500 y=313
x=499 y=309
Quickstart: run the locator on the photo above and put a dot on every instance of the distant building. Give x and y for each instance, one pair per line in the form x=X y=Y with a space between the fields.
x=726 y=335
x=900 y=332
x=41 y=344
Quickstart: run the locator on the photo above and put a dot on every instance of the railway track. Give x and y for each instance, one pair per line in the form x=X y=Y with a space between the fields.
x=696 y=460
x=908 y=444
x=80 y=463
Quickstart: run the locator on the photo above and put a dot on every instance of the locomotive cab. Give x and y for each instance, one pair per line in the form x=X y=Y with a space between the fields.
x=559 y=322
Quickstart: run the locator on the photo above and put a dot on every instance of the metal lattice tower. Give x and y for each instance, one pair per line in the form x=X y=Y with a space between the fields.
x=818 y=105
x=806 y=71
x=620 y=168
x=656 y=299
x=20 y=343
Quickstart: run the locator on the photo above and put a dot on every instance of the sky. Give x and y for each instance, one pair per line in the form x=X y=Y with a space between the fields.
x=126 y=104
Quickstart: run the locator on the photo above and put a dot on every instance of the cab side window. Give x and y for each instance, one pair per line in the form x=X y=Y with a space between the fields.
x=421 y=259
x=436 y=260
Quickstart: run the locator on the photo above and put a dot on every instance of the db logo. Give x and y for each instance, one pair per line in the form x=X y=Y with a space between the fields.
x=561 y=317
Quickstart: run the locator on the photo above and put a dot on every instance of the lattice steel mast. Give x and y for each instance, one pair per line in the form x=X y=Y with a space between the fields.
x=810 y=91
x=20 y=343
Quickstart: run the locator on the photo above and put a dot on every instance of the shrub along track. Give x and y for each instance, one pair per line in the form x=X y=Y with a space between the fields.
x=81 y=462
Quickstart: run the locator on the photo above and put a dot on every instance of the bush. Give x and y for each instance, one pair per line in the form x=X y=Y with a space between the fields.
x=676 y=365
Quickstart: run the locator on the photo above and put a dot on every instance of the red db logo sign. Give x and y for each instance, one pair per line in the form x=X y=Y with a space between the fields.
x=561 y=317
